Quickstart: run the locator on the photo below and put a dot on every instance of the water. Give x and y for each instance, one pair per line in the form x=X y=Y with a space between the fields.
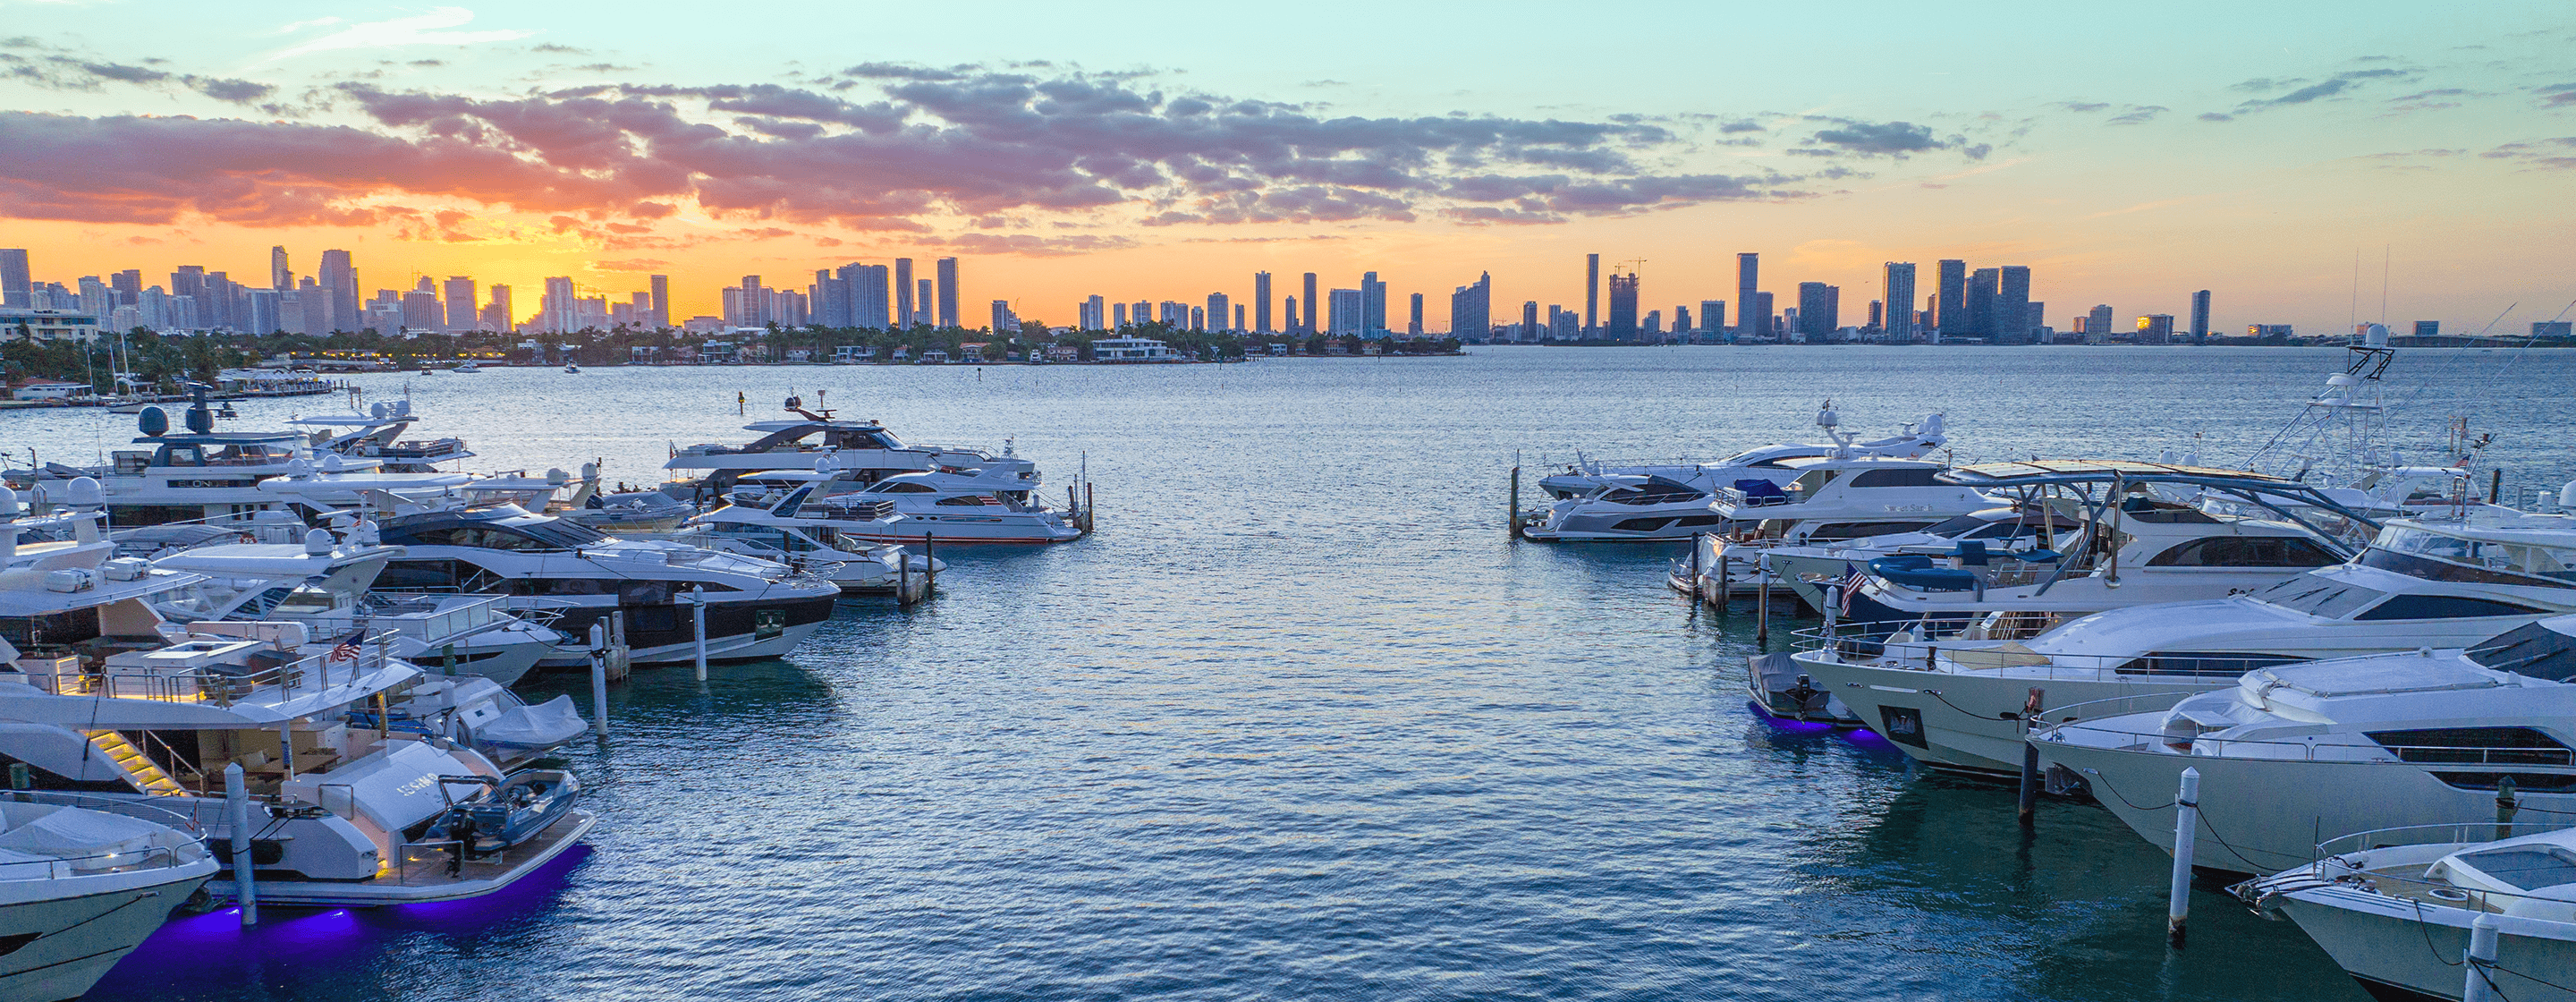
x=1300 y=722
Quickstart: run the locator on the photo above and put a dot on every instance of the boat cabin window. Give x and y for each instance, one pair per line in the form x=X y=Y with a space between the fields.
x=2554 y=565
x=283 y=600
x=2533 y=651
x=2317 y=596
x=179 y=455
x=2475 y=745
x=55 y=629
x=1908 y=477
x=902 y=487
x=1656 y=490
x=2246 y=551
x=2528 y=867
x=1861 y=530
x=970 y=501
x=438 y=576
x=2444 y=607
x=127 y=516
x=251 y=454
x=2203 y=664
x=1810 y=482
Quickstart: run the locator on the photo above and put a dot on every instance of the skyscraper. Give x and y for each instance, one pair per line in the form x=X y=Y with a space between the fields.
x=339 y=279
x=559 y=311
x=947 y=292
x=2097 y=325
x=1345 y=316
x=1099 y=318
x=903 y=290
x=279 y=278
x=1261 y=302
x=1819 y=311
x=1529 y=321
x=2012 y=323
x=2200 y=317
x=1898 y=292
x=831 y=299
x=1471 y=309
x=1950 y=303
x=1288 y=320
x=459 y=291
x=1761 y=318
x=1712 y=317
x=921 y=302
x=1121 y=317
x=1977 y=311
x=1591 y=294
x=1748 y=284
x=1623 y=308
x=1217 y=311
x=866 y=285
x=496 y=311
x=1238 y=318
x=1312 y=304
x=128 y=285
x=17 y=284
x=1372 y=305
x=1413 y=326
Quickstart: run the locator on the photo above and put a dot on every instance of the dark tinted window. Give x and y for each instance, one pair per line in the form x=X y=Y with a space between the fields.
x=2535 y=651
x=2245 y=551
x=417 y=575
x=1860 y=530
x=1896 y=478
x=2444 y=607
x=2474 y=745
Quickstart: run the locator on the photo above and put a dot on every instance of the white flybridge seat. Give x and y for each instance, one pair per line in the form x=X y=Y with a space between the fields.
x=2414 y=738
x=82 y=881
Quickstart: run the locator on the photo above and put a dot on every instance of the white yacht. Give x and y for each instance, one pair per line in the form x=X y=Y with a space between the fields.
x=325 y=586
x=968 y=506
x=1830 y=499
x=1586 y=475
x=377 y=435
x=756 y=609
x=2396 y=907
x=199 y=476
x=1959 y=702
x=346 y=815
x=1805 y=569
x=2414 y=738
x=823 y=543
x=1673 y=504
x=622 y=512
x=82 y=882
x=864 y=449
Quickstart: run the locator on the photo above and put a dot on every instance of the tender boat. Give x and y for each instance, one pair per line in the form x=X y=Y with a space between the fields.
x=516 y=808
x=82 y=881
x=2444 y=583
x=2423 y=737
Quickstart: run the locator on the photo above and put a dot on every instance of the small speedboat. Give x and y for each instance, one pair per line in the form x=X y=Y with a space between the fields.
x=511 y=810
x=572 y=368
x=467 y=367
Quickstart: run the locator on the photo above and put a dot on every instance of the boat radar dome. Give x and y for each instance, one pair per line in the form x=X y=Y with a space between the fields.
x=556 y=477
x=317 y=542
x=1826 y=418
x=153 y=421
x=402 y=408
x=299 y=468
x=2566 y=498
x=84 y=493
x=378 y=410
x=9 y=502
x=2375 y=336
x=333 y=464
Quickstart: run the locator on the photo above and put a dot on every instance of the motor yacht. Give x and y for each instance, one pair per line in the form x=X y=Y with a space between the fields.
x=347 y=815
x=2395 y=907
x=1961 y=702
x=1585 y=476
x=1662 y=506
x=756 y=609
x=1806 y=569
x=625 y=512
x=377 y=435
x=967 y=506
x=194 y=476
x=326 y=586
x=2412 y=738
x=864 y=449
x=822 y=544
x=82 y=881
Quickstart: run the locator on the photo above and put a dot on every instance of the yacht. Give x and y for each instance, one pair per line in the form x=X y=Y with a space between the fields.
x=2413 y=738
x=1585 y=475
x=1828 y=499
x=467 y=367
x=82 y=881
x=326 y=587
x=969 y=506
x=377 y=435
x=821 y=543
x=626 y=512
x=2395 y=907
x=864 y=449
x=194 y=476
x=756 y=609
x=1960 y=702
x=348 y=815
x=1806 y=569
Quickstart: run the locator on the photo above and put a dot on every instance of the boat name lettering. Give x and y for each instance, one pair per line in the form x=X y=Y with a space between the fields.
x=426 y=781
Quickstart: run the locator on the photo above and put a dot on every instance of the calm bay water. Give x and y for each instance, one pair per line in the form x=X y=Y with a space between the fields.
x=1300 y=722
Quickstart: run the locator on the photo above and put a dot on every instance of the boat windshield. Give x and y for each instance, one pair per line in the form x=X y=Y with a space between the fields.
x=2441 y=557
x=2534 y=651
x=2317 y=596
x=285 y=601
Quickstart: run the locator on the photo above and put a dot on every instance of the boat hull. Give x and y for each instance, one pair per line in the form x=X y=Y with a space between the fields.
x=1971 y=721
x=79 y=937
x=478 y=879
x=2398 y=948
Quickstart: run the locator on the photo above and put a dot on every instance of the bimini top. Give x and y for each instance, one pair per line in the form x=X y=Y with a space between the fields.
x=2075 y=471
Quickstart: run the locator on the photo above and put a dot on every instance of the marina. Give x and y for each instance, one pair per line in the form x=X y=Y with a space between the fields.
x=1407 y=723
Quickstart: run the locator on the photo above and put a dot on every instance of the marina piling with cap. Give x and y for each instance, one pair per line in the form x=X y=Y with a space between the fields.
x=599 y=679
x=237 y=817
x=698 y=626
x=2186 y=826
x=2478 y=959
x=1514 y=511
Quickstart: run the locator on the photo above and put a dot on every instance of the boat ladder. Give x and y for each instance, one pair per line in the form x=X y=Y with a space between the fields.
x=145 y=772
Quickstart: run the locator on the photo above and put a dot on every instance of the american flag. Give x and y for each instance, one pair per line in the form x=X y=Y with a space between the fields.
x=1853 y=578
x=346 y=649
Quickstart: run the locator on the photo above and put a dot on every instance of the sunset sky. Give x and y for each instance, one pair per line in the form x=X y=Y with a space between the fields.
x=1168 y=150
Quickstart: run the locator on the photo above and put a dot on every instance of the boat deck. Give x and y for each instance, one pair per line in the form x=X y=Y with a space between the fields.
x=2407 y=883
x=423 y=875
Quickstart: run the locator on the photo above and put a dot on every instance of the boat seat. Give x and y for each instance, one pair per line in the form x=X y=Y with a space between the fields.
x=1988 y=658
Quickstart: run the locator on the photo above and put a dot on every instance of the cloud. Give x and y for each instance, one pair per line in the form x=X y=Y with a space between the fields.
x=425 y=29
x=630 y=264
x=1876 y=139
x=2540 y=154
x=2138 y=114
x=1032 y=245
x=2330 y=87
x=2557 y=95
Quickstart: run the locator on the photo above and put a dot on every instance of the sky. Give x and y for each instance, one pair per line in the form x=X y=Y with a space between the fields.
x=2287 y=156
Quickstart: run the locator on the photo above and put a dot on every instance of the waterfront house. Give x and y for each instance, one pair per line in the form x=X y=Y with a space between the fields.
x=50 y=389
x=853 y=354
x=1132 y=349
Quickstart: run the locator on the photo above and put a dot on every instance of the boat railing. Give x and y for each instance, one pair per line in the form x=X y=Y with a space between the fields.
x=142 y=810
x=2336 y=862
x=1897 y=646
x=225 y=685
x=420 y=619
x=2338 y=748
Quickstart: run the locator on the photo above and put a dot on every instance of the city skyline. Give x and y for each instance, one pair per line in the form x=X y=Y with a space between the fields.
x=2433 y=148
